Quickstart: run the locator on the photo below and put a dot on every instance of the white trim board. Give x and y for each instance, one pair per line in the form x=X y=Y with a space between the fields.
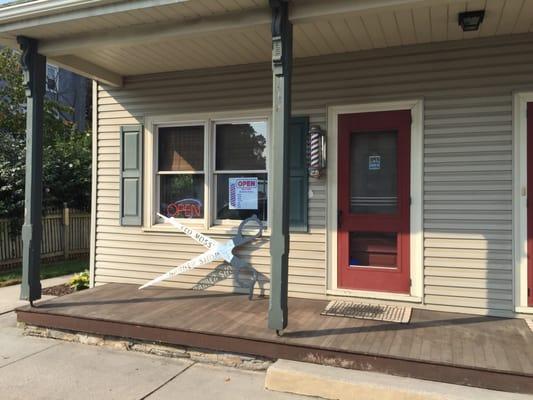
x=94 y=177
x=520 y=100
x=417 y=156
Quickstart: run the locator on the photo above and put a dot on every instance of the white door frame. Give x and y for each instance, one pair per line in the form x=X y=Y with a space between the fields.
x=417 y=156
x=520 y=267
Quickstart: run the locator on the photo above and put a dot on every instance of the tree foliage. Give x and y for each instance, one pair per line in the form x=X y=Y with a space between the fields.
x=67 y=152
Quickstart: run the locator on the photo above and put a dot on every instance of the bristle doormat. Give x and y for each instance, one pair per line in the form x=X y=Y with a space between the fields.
x=376 y=312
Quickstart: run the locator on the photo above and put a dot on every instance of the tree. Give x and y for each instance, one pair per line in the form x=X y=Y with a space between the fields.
x=67 y=152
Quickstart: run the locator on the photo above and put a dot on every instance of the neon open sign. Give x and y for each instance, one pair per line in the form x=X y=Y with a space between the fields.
x=186 y=208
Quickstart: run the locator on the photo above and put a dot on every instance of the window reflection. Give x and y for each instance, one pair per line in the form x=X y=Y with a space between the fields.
x=223 y=207
x=241 y=146
x=241 y=152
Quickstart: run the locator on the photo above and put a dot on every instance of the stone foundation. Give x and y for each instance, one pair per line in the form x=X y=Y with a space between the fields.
x=199 y=355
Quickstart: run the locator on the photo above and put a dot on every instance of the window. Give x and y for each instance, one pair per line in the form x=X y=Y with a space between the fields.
x=180 y=171
x=212 y=171
x=52 y=78
x=240 y=152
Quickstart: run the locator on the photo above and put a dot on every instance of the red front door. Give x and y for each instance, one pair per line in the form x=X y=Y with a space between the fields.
x=529 y=204
x=374 y=201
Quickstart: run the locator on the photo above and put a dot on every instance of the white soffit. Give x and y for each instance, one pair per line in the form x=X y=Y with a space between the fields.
x=103 y=16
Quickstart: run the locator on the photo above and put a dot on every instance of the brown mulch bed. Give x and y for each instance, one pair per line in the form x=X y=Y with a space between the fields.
x=58 y=290
x=10 y=282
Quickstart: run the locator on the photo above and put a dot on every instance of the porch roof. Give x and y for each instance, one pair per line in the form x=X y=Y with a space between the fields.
x=110 y=39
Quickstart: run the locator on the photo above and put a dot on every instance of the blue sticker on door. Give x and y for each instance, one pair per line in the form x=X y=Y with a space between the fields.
x=374 y=163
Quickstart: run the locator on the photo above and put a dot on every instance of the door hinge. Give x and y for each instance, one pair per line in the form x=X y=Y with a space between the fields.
x=528 y=292
x=339 y=218
x=410 y=283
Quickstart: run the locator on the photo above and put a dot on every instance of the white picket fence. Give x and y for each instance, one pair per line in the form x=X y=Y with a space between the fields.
x=66 y=234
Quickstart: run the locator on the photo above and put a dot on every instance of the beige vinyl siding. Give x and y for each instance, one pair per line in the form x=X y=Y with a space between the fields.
x=467 y=90
x=130 y=255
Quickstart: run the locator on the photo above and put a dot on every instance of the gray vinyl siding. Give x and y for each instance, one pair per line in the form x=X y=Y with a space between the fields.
x=467 y=90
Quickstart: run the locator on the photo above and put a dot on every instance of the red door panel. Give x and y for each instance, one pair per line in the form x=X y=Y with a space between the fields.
x=529 y=206
x=374 y=201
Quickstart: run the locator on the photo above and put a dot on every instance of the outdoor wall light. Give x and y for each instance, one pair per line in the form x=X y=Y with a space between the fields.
x=470 y=20
x=316 y=145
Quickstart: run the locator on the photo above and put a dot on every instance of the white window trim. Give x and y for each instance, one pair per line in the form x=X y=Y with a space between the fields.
x=197 y=222
x=520 y=189
x=208 y=224
x=416 y=241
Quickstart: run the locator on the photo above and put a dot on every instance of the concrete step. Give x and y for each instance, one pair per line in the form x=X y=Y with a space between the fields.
x=339 y=383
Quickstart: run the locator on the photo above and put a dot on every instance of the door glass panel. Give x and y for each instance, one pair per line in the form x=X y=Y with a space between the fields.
x=372 y=249
x=374 y=173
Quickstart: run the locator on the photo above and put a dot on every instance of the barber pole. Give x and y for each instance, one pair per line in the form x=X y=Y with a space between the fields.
x=316 y=148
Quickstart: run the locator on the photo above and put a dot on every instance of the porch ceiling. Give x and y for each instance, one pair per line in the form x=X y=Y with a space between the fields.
x=113 y=39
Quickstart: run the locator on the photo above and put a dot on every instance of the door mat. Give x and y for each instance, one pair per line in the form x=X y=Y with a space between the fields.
x=376 y=312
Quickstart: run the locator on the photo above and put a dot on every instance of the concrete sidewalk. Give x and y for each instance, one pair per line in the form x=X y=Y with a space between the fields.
x=35 y=368
x=9 y=295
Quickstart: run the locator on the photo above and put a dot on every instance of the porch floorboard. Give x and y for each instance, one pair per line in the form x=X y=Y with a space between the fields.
x=495 y=353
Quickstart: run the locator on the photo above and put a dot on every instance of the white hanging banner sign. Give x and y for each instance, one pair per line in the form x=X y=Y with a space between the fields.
x=243 y=193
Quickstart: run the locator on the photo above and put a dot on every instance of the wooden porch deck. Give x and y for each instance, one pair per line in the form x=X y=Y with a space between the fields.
x=493 y=353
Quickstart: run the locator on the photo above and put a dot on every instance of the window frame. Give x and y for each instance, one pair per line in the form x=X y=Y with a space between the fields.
x=209 y=223
x=214 y=172
x=157 y=174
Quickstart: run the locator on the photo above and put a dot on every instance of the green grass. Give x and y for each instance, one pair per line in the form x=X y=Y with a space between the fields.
x=47 y=271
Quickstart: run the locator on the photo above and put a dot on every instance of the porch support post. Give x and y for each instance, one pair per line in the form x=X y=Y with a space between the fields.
x=281 y=109
x=34 y=67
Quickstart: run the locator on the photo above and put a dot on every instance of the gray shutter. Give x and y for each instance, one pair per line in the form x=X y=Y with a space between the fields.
x=131 y=175
x=298 y=198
